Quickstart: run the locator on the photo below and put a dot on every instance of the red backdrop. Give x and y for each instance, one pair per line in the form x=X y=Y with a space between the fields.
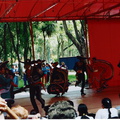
x=104 y=41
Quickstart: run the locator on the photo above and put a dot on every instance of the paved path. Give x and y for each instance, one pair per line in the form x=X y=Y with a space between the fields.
x=26 y=94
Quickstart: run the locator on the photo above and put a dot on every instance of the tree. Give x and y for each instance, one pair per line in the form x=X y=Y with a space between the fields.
x=48 y=28
x=79 y=39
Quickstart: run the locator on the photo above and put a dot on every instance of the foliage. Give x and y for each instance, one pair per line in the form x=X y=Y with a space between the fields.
x=78 y=37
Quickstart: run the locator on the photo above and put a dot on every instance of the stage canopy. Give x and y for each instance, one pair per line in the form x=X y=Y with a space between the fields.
x=51 y=10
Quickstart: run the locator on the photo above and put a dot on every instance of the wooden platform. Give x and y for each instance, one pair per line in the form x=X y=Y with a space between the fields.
x=92 y=99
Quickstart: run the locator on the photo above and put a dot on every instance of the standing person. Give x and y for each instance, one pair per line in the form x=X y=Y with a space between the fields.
x=16 y=80
x=6 y=81
x=25 y=77
x=80 y=68
x=39 y=63
x=48 y=71
x=34 y=75
x=44 y=78
x=107 y=111
x=63 y=66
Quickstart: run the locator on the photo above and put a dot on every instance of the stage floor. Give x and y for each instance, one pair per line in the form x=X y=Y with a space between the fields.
x=92 y=99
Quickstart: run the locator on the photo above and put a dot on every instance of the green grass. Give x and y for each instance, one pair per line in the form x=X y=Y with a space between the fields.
x=21 y=83
x=71 y=78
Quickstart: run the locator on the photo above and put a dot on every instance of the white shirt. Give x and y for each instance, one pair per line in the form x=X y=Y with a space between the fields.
x=104 y=114
x=79 y=117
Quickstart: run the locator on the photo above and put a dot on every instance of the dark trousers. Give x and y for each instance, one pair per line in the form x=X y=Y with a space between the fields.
x=35 y=91
x=81 y=79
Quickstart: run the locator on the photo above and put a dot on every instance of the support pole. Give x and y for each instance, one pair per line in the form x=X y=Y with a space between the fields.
x=86 y=37
x=32 y=40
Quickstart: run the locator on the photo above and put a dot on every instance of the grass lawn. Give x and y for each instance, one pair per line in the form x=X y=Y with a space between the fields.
x=71 y=78
x=21 y=83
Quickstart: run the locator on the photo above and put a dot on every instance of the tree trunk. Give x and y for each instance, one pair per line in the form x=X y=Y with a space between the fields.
x=72 y=38
x=44 y=46
x=79 y=40
x=4 y=44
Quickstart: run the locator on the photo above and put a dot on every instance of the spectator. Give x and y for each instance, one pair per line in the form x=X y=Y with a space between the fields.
x=71 y=102
x=83 y=112
x=16 y=78
x=44 y=78
x=6 y=109
x=63 y=66
x=20 y=111
x=107 y=111
x=6 y=81
x=3 y=104
x=61 y=110
x=48 y=71
x=25 y=77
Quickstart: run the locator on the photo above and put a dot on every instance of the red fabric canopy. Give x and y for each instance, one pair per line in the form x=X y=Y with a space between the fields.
x=49 y=10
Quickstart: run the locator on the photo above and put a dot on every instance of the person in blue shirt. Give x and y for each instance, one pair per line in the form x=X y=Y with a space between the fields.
x=44 y=78
x=48 y=72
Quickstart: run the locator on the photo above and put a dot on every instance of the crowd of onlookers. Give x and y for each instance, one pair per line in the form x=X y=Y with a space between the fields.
x=61 y=110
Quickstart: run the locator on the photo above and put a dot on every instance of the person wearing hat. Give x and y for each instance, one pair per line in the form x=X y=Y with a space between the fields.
x=80 y=68
x=33 y=73
x=107 y=111
x=53 y=71
x=39 y=63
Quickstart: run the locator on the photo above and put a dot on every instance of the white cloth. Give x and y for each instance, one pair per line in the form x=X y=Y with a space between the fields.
x=104 y=114
x=79 y=117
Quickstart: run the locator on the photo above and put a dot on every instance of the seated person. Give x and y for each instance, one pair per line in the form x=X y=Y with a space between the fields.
x=5 y=109
x=20 y=111
x=61 y=110
x=106 y=112
x=83 y=112
x=3 y=105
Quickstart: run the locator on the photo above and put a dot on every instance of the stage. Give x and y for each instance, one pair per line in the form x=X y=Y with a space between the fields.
x=92 y=98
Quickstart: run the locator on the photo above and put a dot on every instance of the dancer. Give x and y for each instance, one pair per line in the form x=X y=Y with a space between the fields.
x=80 y=68
x=34 y=75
